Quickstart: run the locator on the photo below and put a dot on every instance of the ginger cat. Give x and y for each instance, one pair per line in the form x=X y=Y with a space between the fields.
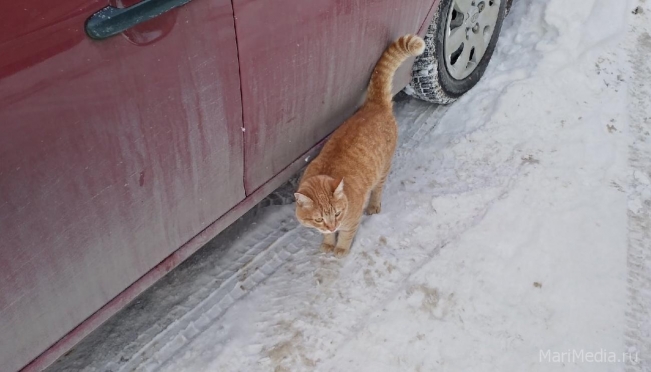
x=353 y=165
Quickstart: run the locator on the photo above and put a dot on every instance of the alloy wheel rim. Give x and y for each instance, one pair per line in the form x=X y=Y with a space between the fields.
x=469 y=29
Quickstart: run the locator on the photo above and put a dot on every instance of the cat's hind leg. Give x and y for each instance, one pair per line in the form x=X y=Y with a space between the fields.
x=375 y=200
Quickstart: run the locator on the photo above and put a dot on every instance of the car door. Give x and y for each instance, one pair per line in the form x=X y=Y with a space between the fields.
x=304 y=67
x=113 y=154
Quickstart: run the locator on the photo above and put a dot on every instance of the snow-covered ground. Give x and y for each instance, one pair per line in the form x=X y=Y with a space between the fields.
x=515 y=233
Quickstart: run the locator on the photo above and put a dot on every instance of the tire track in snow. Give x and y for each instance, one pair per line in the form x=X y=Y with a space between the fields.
x=638 y=332
x=176 y=337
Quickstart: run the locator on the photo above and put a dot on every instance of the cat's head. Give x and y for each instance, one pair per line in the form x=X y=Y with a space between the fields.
x=321 y=203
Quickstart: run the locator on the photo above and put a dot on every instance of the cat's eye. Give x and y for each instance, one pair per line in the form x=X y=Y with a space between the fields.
x=337 y=214
x=318 y=219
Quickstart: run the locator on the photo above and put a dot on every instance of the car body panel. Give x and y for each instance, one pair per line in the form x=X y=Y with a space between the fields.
x=327 y=48
x=113 y=154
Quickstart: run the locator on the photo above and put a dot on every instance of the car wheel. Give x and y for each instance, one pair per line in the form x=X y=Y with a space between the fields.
x=459 y=44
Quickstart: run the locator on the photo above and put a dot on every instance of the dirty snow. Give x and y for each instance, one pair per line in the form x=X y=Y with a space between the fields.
x=515 y=233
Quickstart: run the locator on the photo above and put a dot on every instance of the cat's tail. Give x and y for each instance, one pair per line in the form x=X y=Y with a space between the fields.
x=379 y=89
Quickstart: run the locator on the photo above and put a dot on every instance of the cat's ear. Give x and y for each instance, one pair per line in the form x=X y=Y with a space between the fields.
x=302 y=200
x=339 y=190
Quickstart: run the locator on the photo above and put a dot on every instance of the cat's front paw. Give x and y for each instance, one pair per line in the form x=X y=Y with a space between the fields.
x=373 y=208
x=327 y=248
x=341 y=252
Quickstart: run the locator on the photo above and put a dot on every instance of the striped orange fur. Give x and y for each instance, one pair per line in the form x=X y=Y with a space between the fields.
x=352 y=168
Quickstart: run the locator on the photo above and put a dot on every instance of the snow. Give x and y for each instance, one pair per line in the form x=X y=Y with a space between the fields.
x=514 y=233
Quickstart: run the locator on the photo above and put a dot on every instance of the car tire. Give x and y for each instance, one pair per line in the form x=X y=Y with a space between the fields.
x=442 y=80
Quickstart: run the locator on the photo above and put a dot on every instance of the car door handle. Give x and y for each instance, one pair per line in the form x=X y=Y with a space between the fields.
x=111 y=21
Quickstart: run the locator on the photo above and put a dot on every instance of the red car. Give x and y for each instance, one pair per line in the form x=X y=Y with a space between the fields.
x=132 y=132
